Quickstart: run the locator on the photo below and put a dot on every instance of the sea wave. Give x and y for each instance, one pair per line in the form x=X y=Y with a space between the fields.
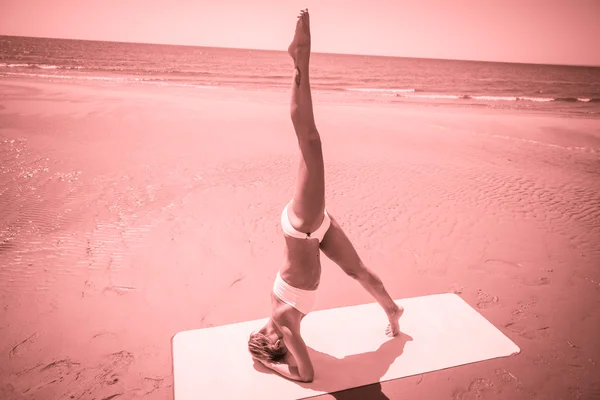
x=379 y=90
x=201 y=80
x=58 y=76
x=117 y=79
x=151 y=70
x=416 y=93
x=434 y=96
x=40 y=66
x=110 y=68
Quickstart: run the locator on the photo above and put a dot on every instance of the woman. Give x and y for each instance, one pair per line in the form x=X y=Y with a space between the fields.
x=308 y=229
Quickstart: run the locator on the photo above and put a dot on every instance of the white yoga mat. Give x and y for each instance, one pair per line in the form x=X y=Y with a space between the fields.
x=348 y=347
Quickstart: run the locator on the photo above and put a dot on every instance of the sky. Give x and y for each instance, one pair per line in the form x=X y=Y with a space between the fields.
x=528 y=31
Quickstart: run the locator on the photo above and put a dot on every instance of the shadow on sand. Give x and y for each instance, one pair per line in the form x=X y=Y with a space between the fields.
x=334 y=372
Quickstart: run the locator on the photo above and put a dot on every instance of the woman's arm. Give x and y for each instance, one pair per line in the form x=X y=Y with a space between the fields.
x=283 y=369
x=295 y=345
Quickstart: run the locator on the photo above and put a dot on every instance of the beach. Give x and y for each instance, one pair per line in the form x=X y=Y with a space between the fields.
x=131 y=213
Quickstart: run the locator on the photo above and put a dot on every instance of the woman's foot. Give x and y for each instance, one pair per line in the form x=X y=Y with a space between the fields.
x=299 y=49
x=393 y=328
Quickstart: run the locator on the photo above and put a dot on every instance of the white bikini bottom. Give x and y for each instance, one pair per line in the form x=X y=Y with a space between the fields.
x=291 y=231
x=302 y=300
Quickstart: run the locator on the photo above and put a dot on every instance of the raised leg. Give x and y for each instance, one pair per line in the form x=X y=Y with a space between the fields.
x=338 y=248
x=306 y=210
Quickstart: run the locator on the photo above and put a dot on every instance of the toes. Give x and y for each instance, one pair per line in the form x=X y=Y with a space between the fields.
x=303 y=12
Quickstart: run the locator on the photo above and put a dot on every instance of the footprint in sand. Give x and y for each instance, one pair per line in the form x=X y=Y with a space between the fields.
x=537 y=281
x=62 y=365
x=475 y=390
x=522 y=306
x=498 y=267
x=521 y=329
x=497 y=264
x=513 y=270
x=56 y=371
x=505 y=376
x=538 y=333
x=23 y=346
x=484 y=300
x=120 y=359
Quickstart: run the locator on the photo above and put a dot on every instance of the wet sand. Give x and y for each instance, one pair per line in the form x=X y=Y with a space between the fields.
x=130 y=214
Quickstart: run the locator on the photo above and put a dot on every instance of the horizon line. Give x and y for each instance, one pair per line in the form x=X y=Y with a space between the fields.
x=314 y=52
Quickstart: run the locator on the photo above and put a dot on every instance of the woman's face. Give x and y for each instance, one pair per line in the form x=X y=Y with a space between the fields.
x=270 y=332
x=272 y=336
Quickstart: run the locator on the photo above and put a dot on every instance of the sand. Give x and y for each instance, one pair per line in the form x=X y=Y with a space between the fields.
x=129 y=214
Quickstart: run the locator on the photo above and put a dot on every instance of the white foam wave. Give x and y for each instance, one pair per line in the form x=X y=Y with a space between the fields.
x=116 y=79
x=15 y=65
x=92 y=78
x=538 y=99
x=377 y=90
x=41 y=66
x=495 y=98
x=435 y=96
x=191 y=85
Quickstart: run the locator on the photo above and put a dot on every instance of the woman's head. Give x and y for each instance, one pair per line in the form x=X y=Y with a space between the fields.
x=268 y=347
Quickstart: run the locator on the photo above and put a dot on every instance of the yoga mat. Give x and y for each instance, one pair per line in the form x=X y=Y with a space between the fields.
x=348 y=347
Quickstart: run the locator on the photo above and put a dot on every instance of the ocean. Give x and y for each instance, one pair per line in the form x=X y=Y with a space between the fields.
x=541 y=88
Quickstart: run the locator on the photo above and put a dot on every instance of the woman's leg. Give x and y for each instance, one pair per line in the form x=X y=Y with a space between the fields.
x=309 y=194
x=338 y=248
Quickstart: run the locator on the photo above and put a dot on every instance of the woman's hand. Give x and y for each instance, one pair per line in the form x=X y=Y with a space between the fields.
x=263 y=362
x=284 y=369
x=266 y=363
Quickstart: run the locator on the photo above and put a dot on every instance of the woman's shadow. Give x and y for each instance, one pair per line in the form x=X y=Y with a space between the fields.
x=363 y=370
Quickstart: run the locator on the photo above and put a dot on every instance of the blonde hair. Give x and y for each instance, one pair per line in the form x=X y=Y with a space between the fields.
x=264 y=348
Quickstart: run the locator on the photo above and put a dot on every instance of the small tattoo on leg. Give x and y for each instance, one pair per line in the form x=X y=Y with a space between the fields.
x=298 y=77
